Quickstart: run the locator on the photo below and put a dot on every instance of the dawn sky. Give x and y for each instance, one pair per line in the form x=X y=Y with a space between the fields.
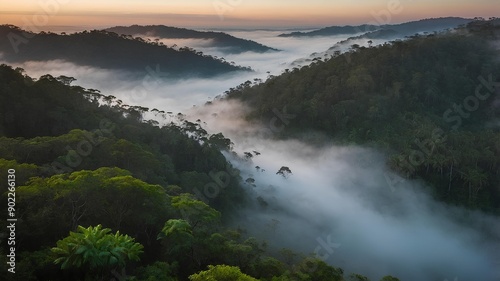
x=235 y=13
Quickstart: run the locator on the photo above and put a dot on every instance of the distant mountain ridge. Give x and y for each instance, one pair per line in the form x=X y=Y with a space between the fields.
x=332 y=30
x=414 y=27
x=386 y=31
x=108 y=50
x=230 y=43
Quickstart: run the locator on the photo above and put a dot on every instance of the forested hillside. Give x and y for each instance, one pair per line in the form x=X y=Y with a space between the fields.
x=109 y=50
x=226 y=42
x=386 y=31
x=102 y=194
x=431 y=103
x=332 y=31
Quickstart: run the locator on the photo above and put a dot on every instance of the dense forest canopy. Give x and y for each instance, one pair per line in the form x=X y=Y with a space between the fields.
x=103 y=194
x=430 y=102
x=108 y=50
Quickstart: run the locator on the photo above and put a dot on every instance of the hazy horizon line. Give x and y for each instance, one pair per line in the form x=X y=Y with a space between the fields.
x=245 y=27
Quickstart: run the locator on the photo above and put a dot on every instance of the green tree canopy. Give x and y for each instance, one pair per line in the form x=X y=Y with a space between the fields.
x=221 y=273
x=96 y=249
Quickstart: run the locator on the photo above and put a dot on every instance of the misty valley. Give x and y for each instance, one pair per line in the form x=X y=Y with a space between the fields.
x=344 y=153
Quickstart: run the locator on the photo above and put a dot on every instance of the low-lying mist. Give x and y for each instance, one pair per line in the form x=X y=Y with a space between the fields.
x=343 y=204
x=292 y=49
x=154 y=89
x=337 y=203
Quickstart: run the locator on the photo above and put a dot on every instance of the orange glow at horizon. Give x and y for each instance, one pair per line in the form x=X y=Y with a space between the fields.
x=227 y=13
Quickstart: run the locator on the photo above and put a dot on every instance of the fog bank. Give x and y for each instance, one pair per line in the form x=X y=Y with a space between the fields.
x=339 y=205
